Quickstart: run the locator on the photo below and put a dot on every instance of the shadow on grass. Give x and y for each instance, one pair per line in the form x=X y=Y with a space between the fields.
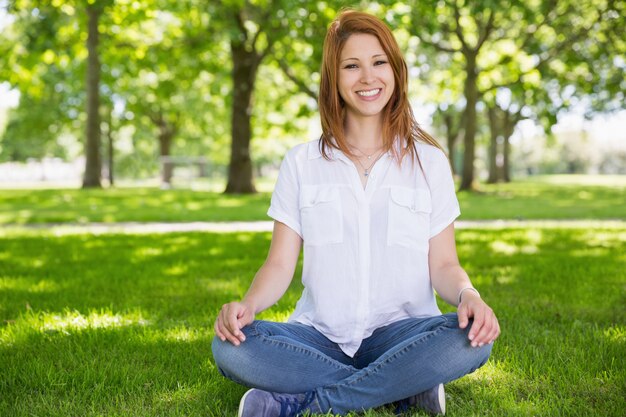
x=130 y=370
x=122 y=324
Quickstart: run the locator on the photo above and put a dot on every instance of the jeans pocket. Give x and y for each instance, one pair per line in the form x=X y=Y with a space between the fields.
x=321 y=215
x=409 y=217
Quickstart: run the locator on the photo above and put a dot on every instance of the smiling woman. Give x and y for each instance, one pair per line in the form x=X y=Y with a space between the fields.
x=372 y=202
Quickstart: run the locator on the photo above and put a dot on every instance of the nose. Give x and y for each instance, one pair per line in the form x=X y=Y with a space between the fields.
x=367 y=75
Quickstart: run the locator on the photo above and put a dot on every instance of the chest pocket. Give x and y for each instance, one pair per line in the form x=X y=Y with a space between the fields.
x=409 y=217
x=320 y=214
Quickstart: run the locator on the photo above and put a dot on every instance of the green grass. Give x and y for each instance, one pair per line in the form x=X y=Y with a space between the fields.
x=127 y=205
x=551 y=197
x=548 y=197
x=121 y=325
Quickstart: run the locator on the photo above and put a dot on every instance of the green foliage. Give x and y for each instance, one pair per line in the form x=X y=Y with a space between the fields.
x=171 y=60
x=131 y=336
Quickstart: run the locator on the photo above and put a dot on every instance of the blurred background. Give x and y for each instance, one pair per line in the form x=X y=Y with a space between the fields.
x=211 y=94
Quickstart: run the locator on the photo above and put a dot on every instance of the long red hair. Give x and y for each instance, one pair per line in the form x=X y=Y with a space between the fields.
x=398 y=119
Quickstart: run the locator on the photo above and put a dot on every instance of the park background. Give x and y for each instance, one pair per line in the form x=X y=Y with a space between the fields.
x=108 y=110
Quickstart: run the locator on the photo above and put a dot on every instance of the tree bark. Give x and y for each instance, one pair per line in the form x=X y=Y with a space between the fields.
x=165 y=136
x=245 y=66
x=110 y=152
x=510 y=121
x=493 y=144
x=92 y=174
x=469 y=140
x=452 y=134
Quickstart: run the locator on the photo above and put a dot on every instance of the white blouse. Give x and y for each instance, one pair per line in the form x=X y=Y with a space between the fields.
x=365 y=249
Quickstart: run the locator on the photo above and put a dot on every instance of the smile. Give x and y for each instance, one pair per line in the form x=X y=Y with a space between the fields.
x=369 y=93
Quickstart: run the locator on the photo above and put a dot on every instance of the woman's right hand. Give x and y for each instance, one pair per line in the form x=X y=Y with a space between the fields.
x=232 y=318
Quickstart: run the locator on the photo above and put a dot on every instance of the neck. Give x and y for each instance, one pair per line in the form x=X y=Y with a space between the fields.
x=365 y=133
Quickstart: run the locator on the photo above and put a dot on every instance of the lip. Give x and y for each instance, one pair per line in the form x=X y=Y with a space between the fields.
x=372 y=97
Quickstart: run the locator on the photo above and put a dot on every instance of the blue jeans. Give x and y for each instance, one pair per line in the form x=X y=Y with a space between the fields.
x=395 y=362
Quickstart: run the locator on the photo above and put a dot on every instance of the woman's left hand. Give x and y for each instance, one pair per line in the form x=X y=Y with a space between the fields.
x=485 y=328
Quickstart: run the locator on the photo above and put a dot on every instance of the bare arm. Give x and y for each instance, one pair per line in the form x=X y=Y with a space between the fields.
x=449 y=278
x=269 y=284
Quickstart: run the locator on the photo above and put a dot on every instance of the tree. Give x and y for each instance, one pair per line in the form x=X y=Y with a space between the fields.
x=516 y=36
x=93 y=160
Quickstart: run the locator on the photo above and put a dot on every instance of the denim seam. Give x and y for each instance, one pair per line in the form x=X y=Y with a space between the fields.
x=268 y=340
x=387 y=360
x=312 y=342
x=386 y=346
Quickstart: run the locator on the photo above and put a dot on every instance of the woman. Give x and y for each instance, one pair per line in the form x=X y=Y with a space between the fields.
x=373 y=203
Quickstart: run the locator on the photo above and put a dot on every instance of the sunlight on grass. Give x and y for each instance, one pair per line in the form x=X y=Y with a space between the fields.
x=122 y=324
x=74 y=320
x=605 y=238
x=23 y=284
x=229 y=287
x=147 y=252
x=216 y=250
x=502 y=247
x=274 y=315
x=181 y=394
x=505 y=248
x=604 y=180
x=67 y=322
x=181 y=334
x=230 y=202
x=492 y=372
x=616 y=334
x=244 y=237
x=194 y=206
x=176 y=270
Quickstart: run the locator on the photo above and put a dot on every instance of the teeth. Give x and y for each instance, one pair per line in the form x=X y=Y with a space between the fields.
x=368 y=93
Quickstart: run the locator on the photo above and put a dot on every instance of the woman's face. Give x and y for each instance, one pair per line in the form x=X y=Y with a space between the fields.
x=366 y=80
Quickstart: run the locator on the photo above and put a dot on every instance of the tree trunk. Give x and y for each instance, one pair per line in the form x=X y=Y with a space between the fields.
x=506 y=167
x=510 y=123
x=245 y=65
x=493 y=145
x=110 y=153
x=451 y=136
x=92 y=174
x=471 y=96
x=166 y=134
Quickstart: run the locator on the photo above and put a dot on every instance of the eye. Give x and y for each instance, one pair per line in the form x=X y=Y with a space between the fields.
x=380 y=62
x=350 y=66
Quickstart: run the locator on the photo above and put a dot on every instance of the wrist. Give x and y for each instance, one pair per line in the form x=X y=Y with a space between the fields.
x=467 y=290
x=250 y=305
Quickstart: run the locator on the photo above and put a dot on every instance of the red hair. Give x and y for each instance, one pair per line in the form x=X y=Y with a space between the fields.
x=398 y=118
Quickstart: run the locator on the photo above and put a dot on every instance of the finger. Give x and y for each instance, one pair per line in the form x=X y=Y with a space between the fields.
x=484 y=335
x=463 y=316
x=230 y=337
x=479 y=320
x=225 y=329
x=496 y=332
x=243 y=322
x=218 y=332
x=489 y=329
x=233 y=324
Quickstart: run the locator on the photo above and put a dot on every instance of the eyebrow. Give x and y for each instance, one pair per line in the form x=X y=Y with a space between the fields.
x=356 y=59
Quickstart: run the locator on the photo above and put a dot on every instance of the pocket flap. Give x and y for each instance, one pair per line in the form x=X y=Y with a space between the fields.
x=413 y=199
x=312 y=195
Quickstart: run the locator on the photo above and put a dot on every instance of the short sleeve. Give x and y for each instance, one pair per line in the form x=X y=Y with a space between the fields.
x=445 y=206
x=284 y=206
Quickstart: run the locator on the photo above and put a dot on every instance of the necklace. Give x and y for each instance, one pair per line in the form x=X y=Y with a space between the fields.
x=366 y=171
x=364 y=154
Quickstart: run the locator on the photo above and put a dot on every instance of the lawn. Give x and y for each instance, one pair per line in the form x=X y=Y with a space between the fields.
x=550 y=197
x=121 y=325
